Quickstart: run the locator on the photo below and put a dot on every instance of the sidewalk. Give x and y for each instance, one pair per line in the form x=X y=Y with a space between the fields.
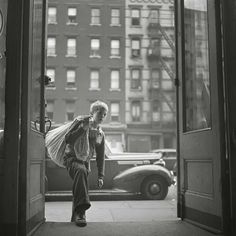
x=115 y=211
x=119 y=218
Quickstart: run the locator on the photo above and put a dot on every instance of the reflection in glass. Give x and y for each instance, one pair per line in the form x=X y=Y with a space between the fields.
x=197 y=82
x=36 y=68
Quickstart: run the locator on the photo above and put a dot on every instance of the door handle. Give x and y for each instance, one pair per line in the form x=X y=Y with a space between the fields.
x=46 y=120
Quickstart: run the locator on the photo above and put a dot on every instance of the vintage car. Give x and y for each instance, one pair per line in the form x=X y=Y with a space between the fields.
x=169 y=156
x=139 y=173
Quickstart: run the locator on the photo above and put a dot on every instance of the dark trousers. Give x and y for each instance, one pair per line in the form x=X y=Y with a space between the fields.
x=78 y=171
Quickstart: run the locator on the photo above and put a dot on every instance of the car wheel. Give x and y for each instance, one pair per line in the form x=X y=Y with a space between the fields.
x=154 y=188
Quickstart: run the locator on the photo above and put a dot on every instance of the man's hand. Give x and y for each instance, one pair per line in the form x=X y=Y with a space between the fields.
x=100 y=182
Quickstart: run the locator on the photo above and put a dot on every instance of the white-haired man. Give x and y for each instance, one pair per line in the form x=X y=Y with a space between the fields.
x=84 y=138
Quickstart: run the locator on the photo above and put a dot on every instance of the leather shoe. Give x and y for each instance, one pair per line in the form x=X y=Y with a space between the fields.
x=80 y=219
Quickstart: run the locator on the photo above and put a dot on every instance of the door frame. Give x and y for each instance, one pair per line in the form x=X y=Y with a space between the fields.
x=27 y=226
x=225 y=182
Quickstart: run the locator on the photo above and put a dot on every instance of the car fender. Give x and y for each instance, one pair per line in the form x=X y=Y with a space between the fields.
x=131 y=179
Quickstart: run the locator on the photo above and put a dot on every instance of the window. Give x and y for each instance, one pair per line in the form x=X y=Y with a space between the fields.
x=115 y=47
x=52 y=15
x=115 y=79
x=50 y=109
x=71 y=47
x=51 y=75
x=94 y=79
x=115 y=111
x=51 y=46
x=72 y=13
x=155 y=78
x=95 y=47
x=135 y=17
x=135 y=78
x=95 y=16
x=156 y=111
x=154 y=16
x=115 y=17
x=70 y=110
x=135 y=48
x=136 y=110
x=70 y=77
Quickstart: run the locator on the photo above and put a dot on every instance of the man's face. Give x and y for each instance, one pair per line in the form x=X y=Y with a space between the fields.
x=99 y=116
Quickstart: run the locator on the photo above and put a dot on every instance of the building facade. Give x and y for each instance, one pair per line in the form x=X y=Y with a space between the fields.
x=121 y=52
x=150 y=66
x=86 y=62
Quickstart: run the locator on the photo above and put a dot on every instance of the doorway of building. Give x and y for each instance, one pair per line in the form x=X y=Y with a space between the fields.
x=128 y=61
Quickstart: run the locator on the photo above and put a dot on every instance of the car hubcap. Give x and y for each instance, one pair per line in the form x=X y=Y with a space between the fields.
x=155 y=188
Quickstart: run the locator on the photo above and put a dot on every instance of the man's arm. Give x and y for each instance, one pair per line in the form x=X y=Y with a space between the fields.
x=100 y=158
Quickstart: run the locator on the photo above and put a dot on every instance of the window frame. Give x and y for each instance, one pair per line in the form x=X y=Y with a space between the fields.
x=136 y=104
x=118 y=49
x=91 y=80
x=71 y=48
x=134 y=81
x=115 y=116
x=53 y=17
x=75 y=17
x=112 y=79
x=115 y=17
x=53 y=49
x=93 y=18
x=133 y=19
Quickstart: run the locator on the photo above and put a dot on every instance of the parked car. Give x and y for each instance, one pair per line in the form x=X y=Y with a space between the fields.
x=132 y=172
x=169 y=156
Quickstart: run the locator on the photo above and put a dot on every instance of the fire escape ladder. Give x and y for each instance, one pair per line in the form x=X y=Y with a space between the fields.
x=168 y=102
x=167 y=69
x=169 y=41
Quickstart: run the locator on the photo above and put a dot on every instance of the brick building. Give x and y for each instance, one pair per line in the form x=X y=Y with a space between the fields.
x=119 y=51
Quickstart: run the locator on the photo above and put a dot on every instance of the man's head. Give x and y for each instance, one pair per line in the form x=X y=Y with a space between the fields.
x=99 y=111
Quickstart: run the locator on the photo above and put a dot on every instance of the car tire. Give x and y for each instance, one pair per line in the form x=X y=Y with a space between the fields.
x=154 y=188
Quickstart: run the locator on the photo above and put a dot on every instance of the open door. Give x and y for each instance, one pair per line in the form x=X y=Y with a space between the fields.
x=200 y=115
x=32 y=165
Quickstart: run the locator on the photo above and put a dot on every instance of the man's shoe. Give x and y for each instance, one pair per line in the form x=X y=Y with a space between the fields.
x=80 y=219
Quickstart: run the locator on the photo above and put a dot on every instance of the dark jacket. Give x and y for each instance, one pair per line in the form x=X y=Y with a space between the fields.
x=74 y=132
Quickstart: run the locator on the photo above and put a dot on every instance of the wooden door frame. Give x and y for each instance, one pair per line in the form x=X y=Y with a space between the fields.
x=223 y=122
x=228 y=13
x=14 y=37
x=28 y=225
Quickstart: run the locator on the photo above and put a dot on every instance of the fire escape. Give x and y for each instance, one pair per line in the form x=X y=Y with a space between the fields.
x=155 y=58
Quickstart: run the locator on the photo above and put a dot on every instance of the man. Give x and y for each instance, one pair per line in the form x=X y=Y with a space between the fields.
x=83 y=138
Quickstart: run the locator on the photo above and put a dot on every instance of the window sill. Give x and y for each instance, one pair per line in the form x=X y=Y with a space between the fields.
x=94 y=89
x=51 y=55
x=115 y=57
x=50 y=88
x=73 y=56
x=114 y=90
x=95 y=56
x=113 y=25
x=91 y=24
x=72 y=24
x=52 y=23
x=72 y=89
